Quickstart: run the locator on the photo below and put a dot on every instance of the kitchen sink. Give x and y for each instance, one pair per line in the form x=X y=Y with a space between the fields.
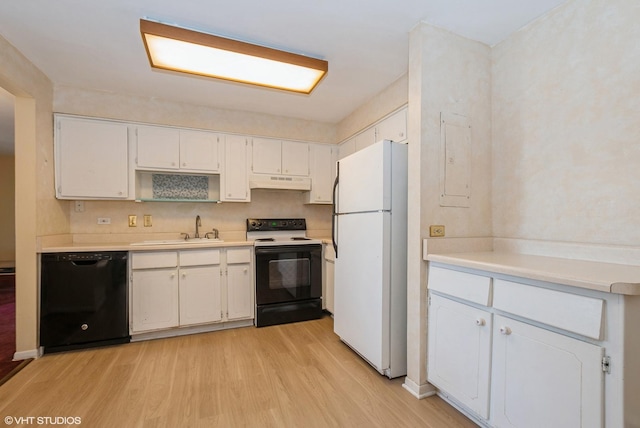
x=193 y=241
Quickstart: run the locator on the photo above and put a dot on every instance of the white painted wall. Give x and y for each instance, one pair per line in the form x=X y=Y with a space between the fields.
x=447 y=73
x=566 y=126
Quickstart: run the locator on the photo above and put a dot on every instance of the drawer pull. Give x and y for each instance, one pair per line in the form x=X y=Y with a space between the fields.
x=480 y=322
x=505 y=330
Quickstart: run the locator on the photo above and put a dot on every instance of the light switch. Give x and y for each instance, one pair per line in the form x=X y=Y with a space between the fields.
x=147 y=220
x=133 y=221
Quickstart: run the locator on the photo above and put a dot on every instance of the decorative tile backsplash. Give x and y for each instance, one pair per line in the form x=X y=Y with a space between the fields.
x=193 y=187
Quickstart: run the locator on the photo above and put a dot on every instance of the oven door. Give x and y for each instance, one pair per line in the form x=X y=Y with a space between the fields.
x=288 y=273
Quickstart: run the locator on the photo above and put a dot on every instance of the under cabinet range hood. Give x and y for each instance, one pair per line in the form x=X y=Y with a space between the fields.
x=285 y=182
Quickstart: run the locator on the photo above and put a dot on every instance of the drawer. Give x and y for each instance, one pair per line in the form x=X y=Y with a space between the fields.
x=571 y=312
x=156 y=259
x=242 y=255
x=467 y=286
x=199 y=257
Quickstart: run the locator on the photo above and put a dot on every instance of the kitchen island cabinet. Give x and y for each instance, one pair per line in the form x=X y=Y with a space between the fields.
x=558 y=348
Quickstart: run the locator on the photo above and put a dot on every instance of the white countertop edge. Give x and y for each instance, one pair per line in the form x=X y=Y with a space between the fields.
x=604 y=277
x=129 y=247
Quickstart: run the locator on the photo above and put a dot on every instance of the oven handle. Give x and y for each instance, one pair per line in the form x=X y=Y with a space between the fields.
x=334 y=214
x=274 y=249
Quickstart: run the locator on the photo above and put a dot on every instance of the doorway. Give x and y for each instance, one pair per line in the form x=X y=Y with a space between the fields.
x=7 y=234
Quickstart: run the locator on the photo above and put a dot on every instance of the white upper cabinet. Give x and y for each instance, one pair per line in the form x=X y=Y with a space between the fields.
x=323 y=172
x=234 y=183
x=295 y=158
x=346 y=148
x=166 y=148
x=91 y=159
x=199 y=151
x=365 y=138
x=158 y=147
x=267 y=156
x=393 y=128
x=271 y=156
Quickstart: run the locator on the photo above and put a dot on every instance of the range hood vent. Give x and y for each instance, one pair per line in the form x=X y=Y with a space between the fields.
x=264 y=181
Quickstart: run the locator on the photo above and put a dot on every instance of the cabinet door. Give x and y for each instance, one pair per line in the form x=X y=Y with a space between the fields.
x=346 y=148
x=199 y=151
x=393 y=128
x=234 y=181
x=154 y=299
x=267 y=156
x=91 y=159
x=200 y=295
x=460 y=351
x=295 y=158
x=158 y=147
x=365 y=138
x=323 y=161
x=544 y=379
x=239 y=291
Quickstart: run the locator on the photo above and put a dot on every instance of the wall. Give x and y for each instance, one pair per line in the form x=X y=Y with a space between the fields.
x=39 y=212
x=447 y=73
x=565 y=126
x=174 y=218
x=7 y=209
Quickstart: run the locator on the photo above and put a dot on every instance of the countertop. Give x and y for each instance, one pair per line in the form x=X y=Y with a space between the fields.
x=599 y=276
x=133 y=247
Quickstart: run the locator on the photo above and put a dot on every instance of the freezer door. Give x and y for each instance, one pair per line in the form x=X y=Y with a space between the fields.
x=364 y=180
x=362 y=286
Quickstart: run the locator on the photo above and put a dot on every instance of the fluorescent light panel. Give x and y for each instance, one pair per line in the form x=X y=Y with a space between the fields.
x=187 y=51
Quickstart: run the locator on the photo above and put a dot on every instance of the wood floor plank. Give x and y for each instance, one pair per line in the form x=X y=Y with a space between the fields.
x=293 y=375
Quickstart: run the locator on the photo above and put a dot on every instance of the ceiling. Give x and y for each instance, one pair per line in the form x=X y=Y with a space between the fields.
x=97 y=44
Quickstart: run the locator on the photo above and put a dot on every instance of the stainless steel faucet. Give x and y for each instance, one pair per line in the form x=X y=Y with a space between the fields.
x=214 y=232
x=198 y=225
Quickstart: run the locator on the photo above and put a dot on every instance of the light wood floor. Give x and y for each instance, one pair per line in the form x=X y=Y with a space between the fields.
x=294 y=375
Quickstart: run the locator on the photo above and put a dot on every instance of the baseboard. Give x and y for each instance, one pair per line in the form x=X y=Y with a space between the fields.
x=183 y=331
x=419 y=391
x=25 y=355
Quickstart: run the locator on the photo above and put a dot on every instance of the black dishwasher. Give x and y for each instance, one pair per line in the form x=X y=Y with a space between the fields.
x=83 y=300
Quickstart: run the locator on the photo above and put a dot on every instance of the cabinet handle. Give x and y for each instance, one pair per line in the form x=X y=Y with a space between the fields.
x=173 y=275
x=184 y=164
x=480 y=322
x=245 y=270
x=184 y=275
x=505 y=330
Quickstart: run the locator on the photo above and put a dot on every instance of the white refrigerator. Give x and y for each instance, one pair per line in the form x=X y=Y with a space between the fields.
x=370 y=239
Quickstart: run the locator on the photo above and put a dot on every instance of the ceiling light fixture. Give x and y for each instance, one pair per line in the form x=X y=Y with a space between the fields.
x=187 y=51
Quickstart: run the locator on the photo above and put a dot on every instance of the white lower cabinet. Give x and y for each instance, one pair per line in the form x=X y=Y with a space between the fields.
x=185 y=288
x=459 y=352
x=544 y=379
x=200 y=300
x=508 y=354
x=239 y=282
x=154 y=299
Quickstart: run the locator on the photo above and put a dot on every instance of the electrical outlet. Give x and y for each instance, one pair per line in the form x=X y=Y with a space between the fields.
x=147 y=220
x=79 y=206
x=104 y=220
x=133 y=221
x=436 y=230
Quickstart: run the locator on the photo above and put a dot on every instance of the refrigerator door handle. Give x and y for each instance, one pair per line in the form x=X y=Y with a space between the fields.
x=335 y=211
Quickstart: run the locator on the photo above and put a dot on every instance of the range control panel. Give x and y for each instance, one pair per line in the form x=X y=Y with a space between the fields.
x=273 y=224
